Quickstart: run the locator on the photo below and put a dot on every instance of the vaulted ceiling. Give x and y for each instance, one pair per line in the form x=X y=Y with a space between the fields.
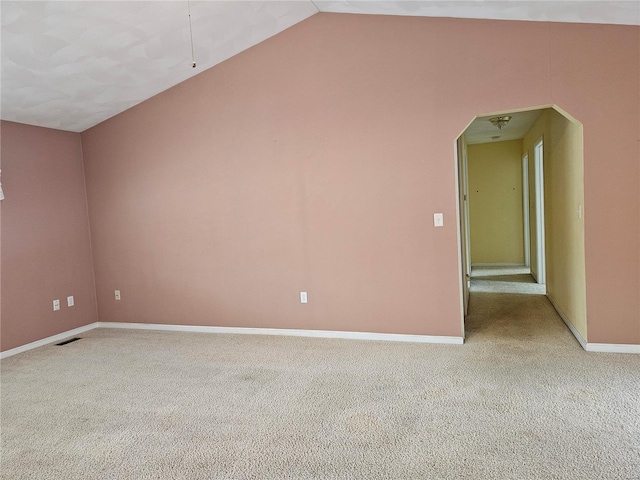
x=71 y=65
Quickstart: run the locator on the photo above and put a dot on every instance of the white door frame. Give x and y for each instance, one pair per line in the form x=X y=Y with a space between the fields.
x=462 y=199
x=538 y=159
x=525 y=209
x=467 y=231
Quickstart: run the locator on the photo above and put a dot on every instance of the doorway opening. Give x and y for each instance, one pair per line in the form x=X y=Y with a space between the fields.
x=521 y=197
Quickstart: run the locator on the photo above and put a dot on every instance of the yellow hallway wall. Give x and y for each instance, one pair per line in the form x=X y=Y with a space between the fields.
x=495 y=202
x=564 y=213
x=539 y=130
x=565 y=240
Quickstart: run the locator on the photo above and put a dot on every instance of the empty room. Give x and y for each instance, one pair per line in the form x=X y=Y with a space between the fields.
x=320 y=239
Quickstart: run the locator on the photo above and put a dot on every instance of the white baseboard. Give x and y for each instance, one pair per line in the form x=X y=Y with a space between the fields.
x=594 y=347
x=565 y=319
x=498 y=265
x=48 y=340
x=613 y=348
x=389 y=337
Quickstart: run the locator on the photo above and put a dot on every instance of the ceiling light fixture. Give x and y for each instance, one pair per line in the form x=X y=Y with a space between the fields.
x=193 y=57
x=501 y=121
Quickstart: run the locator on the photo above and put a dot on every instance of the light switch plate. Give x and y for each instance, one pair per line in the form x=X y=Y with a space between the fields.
x=117 y=294
x=303 y=297
x=70 y=302
x=438 y=220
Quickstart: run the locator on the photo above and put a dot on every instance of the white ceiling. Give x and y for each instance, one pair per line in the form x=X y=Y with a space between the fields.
x=481 y=130
x=625 y=12
x=71 y=65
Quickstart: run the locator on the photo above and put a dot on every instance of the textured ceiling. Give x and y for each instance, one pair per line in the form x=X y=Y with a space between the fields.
x=481 y=130
x=73 y=64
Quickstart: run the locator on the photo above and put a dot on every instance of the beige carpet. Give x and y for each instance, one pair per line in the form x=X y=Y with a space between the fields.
x=520 y=400
x=504 y=279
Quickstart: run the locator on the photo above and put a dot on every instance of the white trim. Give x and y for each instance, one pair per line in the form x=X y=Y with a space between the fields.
x=467 y=224
x=538 y=166
x=565 y=319
x=390 y=337
x=48 y=340
x=517 y=264
x=461 y=216
x=613 y=348
x=462 y=289
x=525 y=209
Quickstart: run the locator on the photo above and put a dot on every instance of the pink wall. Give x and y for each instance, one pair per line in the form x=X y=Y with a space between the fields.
x=315 y=160
x=596 y=77
x=46 y=251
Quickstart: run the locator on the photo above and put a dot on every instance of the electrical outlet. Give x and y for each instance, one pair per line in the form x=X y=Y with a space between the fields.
x=56 y=305
x=303 y=297
x=117 y=294
x=70 y=302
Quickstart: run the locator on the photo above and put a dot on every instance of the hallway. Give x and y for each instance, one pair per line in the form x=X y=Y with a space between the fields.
x=508 y=307
x=507 y=279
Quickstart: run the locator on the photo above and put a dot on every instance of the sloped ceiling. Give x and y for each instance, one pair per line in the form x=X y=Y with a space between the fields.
x=71 y=65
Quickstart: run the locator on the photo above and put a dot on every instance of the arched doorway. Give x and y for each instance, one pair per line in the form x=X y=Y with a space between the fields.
x=521 y=197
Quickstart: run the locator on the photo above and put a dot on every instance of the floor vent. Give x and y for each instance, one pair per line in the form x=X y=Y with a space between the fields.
x=68 y=341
